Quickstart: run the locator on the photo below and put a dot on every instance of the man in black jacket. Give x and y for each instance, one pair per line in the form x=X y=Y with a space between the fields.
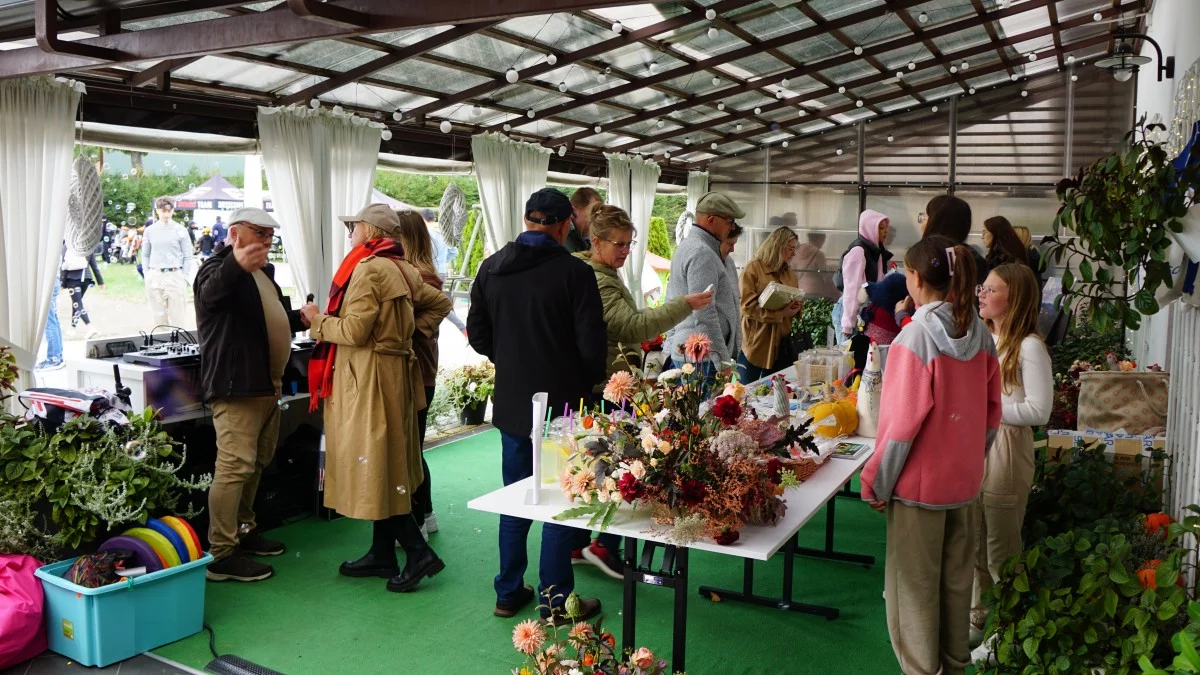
x=245 y=327
x=536 y=313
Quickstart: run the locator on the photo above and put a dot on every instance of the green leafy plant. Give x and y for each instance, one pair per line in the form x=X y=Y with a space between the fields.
x=459 y=388
x=1121 y=209
x=476 y=251
x=1081 y=487
x=1079 y=601
x=658 y=242
x=1086 y=346
x=8 y=372
x=1184 y=643
x=814 y=319
x=61 y=491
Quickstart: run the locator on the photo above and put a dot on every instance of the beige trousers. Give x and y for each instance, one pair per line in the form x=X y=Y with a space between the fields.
x=166 y=292
x=247 y=431
x=1000 y=511
x=927 y=587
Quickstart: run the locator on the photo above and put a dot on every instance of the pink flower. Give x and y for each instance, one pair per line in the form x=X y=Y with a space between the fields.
x=643 y=658
x=581 y=633
x=528 y=637
x=620 y=387
x=697 y=347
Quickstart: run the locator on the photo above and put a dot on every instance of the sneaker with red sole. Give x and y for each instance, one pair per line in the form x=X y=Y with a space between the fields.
x=608 y=561
x=578 y=559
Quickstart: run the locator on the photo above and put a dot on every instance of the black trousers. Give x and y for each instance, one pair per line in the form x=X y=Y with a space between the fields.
x=423 y=497
x=76 y=288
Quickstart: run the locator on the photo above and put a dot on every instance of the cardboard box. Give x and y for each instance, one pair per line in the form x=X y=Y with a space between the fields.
x=1125 y=451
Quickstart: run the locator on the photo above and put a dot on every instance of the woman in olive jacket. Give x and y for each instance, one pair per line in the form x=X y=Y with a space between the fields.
x=627 y=326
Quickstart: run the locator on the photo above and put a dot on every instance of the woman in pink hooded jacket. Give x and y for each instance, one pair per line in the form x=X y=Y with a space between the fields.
x=939 y=413
x=864 y=261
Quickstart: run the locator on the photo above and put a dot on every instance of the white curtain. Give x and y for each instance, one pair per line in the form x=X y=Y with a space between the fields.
x=697 y=185
x=354 y=151
x=508 y=172
x=632 y=182
x=305 y=172
x=37 y=126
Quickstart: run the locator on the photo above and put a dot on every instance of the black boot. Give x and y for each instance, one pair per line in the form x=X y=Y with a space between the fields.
x=422 y=561
x=380 y=561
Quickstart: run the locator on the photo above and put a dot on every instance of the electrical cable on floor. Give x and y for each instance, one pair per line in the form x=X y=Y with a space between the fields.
x=212 y=641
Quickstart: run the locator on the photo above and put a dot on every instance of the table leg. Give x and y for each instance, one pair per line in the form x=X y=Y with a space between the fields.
x=847 y=492
x=784 y=602
x=629 y=611
x=828 y=553
x=679 y=644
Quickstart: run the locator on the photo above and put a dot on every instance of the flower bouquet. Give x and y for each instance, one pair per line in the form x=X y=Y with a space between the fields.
x=585 y=649
x=704 y=468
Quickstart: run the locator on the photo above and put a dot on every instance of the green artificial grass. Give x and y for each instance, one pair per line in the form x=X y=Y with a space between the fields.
x=308 y=619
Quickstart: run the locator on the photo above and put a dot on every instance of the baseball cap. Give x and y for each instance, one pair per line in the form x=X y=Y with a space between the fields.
x=380 y=215
x=254 y=216
x=427 y=215
x=552 y=204
x=719 y=204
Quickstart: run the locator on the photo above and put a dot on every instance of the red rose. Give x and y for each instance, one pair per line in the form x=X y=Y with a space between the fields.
x=727 y=537
x=631 y=488
x=774 y=467
x=728 y=409
x=692 y=492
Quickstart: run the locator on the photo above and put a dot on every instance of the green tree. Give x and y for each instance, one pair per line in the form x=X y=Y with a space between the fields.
x=476 y=252
x=424 y=191
x=669 y=208
x=658 y=242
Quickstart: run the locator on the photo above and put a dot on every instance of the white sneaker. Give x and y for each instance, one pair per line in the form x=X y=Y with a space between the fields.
x=975 y=636
x=985 y=654
x=92 y=332
x=431 y=525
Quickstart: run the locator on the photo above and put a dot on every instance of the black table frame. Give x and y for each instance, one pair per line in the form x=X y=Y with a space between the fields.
x=672 y=572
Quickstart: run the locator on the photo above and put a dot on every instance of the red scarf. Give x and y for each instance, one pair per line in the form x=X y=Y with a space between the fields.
x=320 y=366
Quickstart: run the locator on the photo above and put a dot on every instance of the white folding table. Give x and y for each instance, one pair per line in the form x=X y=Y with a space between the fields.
x=755 y=543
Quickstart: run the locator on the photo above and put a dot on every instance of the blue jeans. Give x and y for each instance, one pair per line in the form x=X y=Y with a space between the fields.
x=54 y=347
x=707 y=371
x=557 y=540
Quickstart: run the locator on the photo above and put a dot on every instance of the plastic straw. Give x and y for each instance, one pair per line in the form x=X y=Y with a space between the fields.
x=581 y=406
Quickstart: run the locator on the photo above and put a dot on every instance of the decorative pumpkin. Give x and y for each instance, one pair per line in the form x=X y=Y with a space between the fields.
x=832 y=419
x=1156 y=522
x=1148 y=575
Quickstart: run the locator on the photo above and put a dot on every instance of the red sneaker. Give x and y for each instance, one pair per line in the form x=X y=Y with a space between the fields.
x=577 y=557
x=606 y=560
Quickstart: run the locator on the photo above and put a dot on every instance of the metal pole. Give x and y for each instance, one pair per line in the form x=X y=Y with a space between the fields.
x=1069 y=131
x=862 y=164
x=953 y=173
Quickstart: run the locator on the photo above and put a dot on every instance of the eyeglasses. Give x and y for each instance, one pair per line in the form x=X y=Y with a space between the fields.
x=985 y=290
x=350 y=226
x=622 y=245
x=261 y=233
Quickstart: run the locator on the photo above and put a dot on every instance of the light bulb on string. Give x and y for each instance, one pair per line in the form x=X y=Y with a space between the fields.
x=552 y=59
x=337 y=110
x=1070 y=59
x=784 y=82
x=899 y=75
x=512 y=75
x=1032 y=57
x=738 y=126
x=529 y=113
x=659 y=124
x=935 y=108
x=687 y=141
x=710 y=14
x=1097 y=16
x=912 y=65
x=1014 y=77
x=964 y=65
x=858 y=103
x=720 y=106
x=476 y=111
x=953 y=69
x=858 y=50
x=841 y=90
x=386 y=135
x=803 y=112
x=667 y=155
x=758 y=111
x=562 y=150
x=839 y=151
x=891 y=138
x=971 y=90
x=713 y=146
x=1024 y=93
x=597 y=128
x=397 y=116
x=507 y=127
x=601 y=76
x=923 y=18
x=314 y=103
x=1074 y=78
x=716 y=81
x=445 y=126
x=616 y=27
x=779 y=94
x=562 y=86
x=712 y=33
x=784 y=144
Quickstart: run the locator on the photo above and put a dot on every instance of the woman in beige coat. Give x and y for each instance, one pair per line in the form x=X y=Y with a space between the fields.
x=370 y=376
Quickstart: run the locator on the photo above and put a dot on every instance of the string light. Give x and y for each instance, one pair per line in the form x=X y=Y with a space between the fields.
x=337 y=110
x=710 y=14
x=667 y=155
x=803 y=112
x=971 y=90
x=712 y=33
x=529 y=113
x=784 y=82
x=1097 y=16
x=562 y=150
x=858 y=103
x=899 y=75
x=858 y=50
x=1014 y=77
x=616 y=27
x=839 y=151
x=597 y=128
x=758 y=111
x=397 y=116
x=562 y=86
x=601 y=76
x=965 y=65
x=953 y=69
x=1024 y=93
x=912 y=65
x=891 y=138
x=1074 y=78
x=1032 y=57
x=659 y=124
x=923 y=17
x=1070 y=59
x=314 y=104
x=507 y=127
x=445 y=126
x=476 y=111
x=935 y=108
x=738 y=127
x=512 y=75
x=784 y=144
x=386 y=135
x=713 y=146
x=551 y=59
x=779 y=94
x=716 y=81
x=720 y=106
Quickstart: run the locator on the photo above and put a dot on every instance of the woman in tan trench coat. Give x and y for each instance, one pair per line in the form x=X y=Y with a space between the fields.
x=374 y=389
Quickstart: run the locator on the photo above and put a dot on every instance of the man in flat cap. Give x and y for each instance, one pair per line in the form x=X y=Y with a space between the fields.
x=536 y=313
x=695 y=267
x=245 y=326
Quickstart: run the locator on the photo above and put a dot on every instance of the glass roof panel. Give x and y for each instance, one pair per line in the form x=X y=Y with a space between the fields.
x=814 y=49
x=172 y=20
x=429 y=76
x=238 y=73
x=562 y=31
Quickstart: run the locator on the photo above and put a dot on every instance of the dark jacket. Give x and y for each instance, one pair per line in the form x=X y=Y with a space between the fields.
x=576 y=242
x=872 y=253
x=235 y=358
x=536 y=313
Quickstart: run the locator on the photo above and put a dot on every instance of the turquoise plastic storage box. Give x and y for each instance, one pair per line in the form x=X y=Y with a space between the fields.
x=100 y=626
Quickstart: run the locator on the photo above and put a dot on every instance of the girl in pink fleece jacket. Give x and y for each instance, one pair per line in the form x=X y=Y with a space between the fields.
x=939 y=412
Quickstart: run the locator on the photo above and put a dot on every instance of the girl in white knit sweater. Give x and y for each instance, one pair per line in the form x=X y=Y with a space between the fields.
x=1008 y=301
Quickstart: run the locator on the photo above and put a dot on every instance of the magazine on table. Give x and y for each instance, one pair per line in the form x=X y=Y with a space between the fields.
x=776 y=296
x=844 y=450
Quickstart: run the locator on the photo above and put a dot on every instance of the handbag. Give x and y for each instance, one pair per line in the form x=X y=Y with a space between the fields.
x=1133 y=401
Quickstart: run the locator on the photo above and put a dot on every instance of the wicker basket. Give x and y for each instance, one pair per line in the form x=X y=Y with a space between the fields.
x=803 y=467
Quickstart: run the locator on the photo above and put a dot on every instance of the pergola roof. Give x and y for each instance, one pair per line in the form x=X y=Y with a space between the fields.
x=672 y=83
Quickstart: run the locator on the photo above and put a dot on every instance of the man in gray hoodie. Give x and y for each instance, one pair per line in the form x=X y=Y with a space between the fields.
x=696 y=266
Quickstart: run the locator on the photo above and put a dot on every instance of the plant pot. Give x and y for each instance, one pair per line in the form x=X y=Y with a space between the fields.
x=472 y=414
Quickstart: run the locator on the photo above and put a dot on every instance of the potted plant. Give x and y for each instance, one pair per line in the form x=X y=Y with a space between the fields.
x=1122 y=211
x=465 y=391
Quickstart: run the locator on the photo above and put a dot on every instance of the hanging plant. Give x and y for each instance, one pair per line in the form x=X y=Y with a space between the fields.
x=1120 y=210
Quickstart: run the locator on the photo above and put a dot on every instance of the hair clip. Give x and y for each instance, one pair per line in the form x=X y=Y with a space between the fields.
x=950 y=255
x=935 y=263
